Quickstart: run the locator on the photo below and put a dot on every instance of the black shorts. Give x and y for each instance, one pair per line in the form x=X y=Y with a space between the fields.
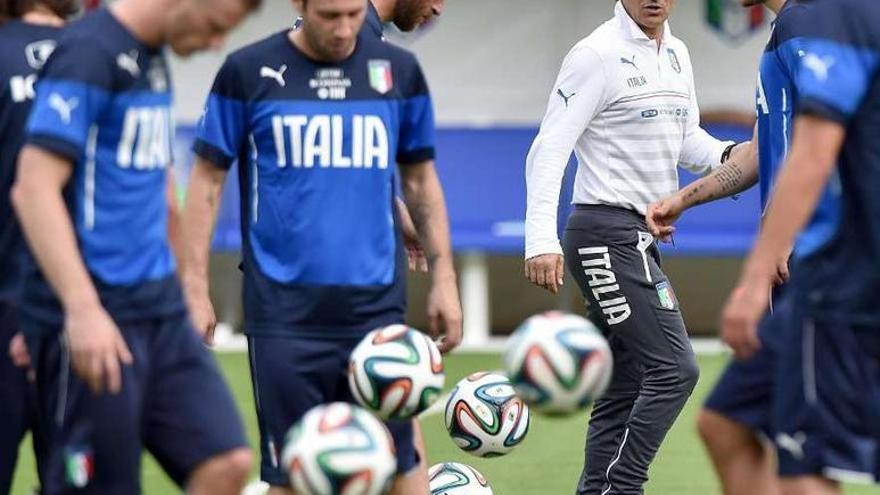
x=18 y=405
x=173 y=401
x=290 y=376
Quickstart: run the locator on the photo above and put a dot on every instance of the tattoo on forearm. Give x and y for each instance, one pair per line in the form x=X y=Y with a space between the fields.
x=729 y=177
x=694 y=192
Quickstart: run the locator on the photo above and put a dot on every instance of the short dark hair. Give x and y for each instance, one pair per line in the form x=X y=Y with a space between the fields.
x=14 y=9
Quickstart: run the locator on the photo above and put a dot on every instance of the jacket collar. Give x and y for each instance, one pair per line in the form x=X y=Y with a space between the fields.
x=629 y=26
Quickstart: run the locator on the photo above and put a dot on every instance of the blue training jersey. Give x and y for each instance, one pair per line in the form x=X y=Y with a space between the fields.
x=837 y=80
x=104 y=103
x=777 y=96
x=316 y=144
x=24 y=51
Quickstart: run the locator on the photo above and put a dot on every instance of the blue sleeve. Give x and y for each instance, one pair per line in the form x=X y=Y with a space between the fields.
x=834 y=78
x=416 y=142
x=838 y=65
x=222 y=129
x=74 y=90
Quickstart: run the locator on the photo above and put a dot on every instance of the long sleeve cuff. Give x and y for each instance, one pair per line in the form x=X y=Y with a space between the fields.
x=542 y=247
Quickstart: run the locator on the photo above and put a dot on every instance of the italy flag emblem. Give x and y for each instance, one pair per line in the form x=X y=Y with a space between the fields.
x=79 y=467
x=381 y=78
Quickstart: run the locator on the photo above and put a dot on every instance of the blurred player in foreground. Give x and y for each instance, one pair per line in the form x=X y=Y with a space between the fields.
x=28 y=30
x=316 y=118
x=736 y=422
x=103 y=300
x=827 y=390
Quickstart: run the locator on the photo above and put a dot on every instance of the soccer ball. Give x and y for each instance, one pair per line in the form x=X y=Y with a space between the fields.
x=339 y=449
x=452 y=478
x=396 y=372
x=485 y=417
x=559 y=363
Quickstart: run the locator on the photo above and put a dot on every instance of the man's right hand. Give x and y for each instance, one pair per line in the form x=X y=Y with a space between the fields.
x=18 y=352
x=546 y=271
x=661 y=216
x=97 y=348
x=201 y=312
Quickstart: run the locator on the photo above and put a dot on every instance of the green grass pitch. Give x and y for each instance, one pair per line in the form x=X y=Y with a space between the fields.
x=548 y=462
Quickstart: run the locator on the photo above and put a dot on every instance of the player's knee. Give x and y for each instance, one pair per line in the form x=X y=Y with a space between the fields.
x=709 y=427
x=234 y=466
x=222 y=474
x=722 y=434
x=689 y=374
x=240 y=461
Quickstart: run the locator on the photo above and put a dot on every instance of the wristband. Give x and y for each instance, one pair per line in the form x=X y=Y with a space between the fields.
x=727 y=151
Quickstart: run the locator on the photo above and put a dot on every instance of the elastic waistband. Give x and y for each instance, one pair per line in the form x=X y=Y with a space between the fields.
x=614 y=211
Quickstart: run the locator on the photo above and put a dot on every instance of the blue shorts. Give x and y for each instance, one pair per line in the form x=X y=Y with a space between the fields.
x=744 y=393
x=827 y=404
x=18 y=412
x=173 y=401
x=290 y=376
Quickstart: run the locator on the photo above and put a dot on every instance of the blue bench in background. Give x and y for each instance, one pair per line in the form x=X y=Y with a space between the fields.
x=482 y=175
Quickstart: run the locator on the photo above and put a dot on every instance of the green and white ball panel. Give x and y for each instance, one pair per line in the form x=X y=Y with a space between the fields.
x=397 y=372
x=485 y=417
x=453 y=478
x=559 y=363
x=339 y=449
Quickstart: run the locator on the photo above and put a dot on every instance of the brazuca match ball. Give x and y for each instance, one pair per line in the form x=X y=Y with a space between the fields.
x=339 y=449
x=396 y=372
x=559 y=363
x=485 y=417
x=452 y=478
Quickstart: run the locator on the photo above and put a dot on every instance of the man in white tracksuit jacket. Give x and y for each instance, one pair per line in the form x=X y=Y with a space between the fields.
x=624 y=102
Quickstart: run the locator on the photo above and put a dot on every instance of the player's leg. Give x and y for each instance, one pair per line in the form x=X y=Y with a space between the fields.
x=617 y=266
x=828 y=395
x=289 y=376
x=412 y=478
x=421 y=449
x=735 y=424
x=13 y=397
x=192 y=426
x=93 y=440
x=608 y=419
x=612 y=411
x=810 y=485
x=745 y=464
x=412 y=475
x=415 y=481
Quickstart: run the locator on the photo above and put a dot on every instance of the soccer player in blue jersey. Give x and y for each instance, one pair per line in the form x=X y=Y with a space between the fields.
x=118 y=363
x=316 y=118
x=29 y=31
x=736 y=421
x=406 y=15
x=827 y=390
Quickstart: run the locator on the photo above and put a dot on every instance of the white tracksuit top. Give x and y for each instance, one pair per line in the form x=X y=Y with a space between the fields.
x=630 y=114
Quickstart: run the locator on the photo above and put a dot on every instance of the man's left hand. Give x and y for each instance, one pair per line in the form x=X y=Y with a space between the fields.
x=743 y=311
x=444 y=314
